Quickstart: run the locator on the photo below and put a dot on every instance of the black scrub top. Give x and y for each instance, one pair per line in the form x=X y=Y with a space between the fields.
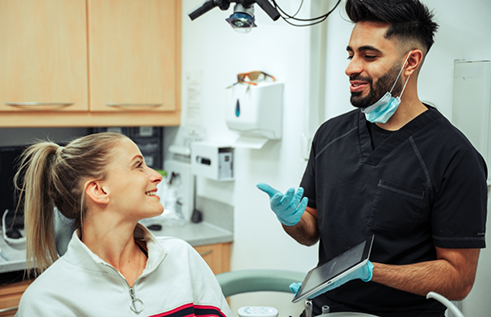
x=423 y=186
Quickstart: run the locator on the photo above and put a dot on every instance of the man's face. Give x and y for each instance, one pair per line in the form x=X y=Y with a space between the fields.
x=375 y=64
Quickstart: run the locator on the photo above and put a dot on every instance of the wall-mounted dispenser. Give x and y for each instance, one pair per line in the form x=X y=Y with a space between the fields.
x=256 y=112
x=212 y=161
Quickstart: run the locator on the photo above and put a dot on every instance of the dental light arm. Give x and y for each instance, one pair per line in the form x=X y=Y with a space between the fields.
x=269 y=9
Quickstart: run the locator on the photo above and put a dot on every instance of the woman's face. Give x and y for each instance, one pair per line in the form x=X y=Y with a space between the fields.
x=131 y=185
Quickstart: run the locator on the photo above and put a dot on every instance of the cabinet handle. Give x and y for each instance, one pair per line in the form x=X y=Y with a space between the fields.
x=3 y=310
x=206 y=252
x=114 y=104
x=20 y=104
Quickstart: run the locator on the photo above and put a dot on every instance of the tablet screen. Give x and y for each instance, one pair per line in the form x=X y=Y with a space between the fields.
x=334 y=269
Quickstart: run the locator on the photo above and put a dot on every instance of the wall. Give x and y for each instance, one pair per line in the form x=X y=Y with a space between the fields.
x=212 y=49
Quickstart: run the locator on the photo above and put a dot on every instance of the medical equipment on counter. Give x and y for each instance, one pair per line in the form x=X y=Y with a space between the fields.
x=12 y=229
x=212 y=161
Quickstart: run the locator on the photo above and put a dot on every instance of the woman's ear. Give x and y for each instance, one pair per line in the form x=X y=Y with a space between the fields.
x=96 y=192
x=414 y=62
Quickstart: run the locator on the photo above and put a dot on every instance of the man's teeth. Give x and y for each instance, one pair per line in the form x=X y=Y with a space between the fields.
x=150 y=193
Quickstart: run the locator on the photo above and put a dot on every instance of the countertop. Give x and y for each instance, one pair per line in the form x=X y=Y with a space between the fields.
x=202 y=233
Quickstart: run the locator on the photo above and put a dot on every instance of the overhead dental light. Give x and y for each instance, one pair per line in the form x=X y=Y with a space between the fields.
x=243 y=20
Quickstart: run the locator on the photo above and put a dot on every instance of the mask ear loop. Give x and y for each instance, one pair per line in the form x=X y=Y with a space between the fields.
x=400 y=76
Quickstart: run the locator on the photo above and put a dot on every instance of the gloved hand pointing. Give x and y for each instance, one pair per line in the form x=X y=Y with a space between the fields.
x=364 y=273
x=288 y=208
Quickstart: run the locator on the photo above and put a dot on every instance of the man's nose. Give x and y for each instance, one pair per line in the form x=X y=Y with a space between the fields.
x=354 y=67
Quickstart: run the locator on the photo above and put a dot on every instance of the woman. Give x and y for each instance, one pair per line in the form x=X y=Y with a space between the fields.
x=113 y=265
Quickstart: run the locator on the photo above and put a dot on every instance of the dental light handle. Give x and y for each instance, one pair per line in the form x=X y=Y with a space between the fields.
x=445 y=302
x=207 y=6
x=269 y=9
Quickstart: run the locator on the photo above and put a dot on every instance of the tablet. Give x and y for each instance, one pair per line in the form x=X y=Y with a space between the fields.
x=334 y=269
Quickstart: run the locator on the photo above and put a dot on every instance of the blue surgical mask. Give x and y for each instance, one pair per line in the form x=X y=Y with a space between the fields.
x=385 y=107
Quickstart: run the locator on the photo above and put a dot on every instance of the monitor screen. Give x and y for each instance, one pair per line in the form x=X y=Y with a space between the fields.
x=8 y=164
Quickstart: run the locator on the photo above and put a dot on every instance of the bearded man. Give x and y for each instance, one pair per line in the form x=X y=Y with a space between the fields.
x=395 y=168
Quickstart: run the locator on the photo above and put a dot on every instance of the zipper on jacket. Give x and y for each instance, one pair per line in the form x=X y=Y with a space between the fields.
x=136 y=304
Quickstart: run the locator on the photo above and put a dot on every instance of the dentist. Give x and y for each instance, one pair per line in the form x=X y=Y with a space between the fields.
x=396 y=168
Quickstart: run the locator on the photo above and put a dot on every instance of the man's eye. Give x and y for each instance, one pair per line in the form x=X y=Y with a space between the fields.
x=370 y=57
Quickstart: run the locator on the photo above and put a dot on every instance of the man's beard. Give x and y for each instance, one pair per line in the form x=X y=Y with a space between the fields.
x=383 y=85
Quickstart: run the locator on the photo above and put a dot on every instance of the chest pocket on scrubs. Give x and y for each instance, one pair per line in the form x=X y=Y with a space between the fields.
x=395 y=207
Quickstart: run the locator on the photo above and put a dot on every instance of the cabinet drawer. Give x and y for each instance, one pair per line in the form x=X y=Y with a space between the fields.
x=10 y=296
x=217 y=256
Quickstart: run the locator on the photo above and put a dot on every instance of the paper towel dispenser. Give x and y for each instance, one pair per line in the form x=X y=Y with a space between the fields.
x=256 y=111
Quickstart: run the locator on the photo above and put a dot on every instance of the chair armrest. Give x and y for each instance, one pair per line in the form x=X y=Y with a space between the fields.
x=245 y=281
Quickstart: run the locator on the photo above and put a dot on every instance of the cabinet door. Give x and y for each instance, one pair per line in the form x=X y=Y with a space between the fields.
x=217 y=256
x=132 y=54
x=43 y=59
x=10 y=296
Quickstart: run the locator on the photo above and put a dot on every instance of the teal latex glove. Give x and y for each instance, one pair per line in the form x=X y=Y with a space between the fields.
x=364 y=273
x=288 y=207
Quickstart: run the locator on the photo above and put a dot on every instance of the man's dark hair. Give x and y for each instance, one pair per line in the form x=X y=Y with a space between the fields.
x=408 y=19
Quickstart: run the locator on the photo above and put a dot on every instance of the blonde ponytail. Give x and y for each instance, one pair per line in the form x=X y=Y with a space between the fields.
x=38 y=206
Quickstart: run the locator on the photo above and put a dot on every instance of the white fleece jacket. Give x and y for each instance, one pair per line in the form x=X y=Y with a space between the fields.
x=175 y=282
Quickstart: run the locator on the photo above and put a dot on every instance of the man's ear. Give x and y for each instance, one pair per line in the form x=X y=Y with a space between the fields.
x=96 y=192
x=413 y=62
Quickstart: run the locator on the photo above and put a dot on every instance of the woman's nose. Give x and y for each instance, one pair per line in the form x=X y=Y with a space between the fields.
x=155 y=177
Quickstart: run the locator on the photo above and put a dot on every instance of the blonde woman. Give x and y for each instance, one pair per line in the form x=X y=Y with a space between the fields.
x=113 y=265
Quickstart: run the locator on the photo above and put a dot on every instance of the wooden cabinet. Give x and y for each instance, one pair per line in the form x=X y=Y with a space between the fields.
x=217 y=256
x=10 y=296
x=132 y=60
x=43 y=59
x=83 y=63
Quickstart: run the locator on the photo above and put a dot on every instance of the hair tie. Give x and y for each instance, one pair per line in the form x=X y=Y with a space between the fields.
x=59 y=149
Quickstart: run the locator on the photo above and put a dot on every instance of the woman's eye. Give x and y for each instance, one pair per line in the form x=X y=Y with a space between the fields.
x=139 y=165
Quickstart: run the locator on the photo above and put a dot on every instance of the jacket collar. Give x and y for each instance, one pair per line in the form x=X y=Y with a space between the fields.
x=80 y=255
